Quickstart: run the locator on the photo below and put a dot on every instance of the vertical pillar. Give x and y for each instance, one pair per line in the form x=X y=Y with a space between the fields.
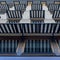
x=54 y=46
x=20 y=48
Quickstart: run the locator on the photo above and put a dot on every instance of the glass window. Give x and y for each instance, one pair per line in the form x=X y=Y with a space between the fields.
x=38 y=46
x=8 y=46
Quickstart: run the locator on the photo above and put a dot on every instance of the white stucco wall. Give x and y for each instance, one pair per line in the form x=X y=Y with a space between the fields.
x=12 y=8
x=3 y=18
x=26 y=16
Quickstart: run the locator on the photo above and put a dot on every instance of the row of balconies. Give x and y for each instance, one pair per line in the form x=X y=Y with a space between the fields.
x=35 y=15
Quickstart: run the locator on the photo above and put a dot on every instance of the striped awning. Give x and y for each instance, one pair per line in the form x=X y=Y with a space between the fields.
x=36 y=7
x=56 y=14
x=43 y=28
x=4 y=7
x=14 y=14
x=37 y=14
x=36 y=2
x=20 y=7
x=52 y=7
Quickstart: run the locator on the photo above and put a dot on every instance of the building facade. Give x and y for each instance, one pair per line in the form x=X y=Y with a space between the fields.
x=30 y=28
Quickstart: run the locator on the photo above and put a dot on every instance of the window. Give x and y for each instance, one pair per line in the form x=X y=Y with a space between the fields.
x=38 y=46
x=8 y=46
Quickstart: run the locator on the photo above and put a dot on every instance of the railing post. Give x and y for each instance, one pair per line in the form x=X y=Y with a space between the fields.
x=21 y=46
